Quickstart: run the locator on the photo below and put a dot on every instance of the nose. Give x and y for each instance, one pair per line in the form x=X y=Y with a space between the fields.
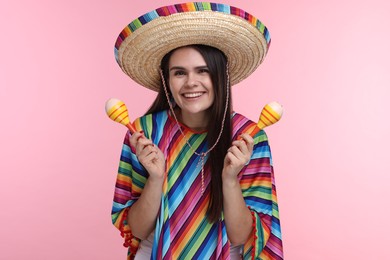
x=192 y=80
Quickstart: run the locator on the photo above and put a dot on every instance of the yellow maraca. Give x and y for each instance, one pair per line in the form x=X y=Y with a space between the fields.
x=271 y=113
x=117 y=111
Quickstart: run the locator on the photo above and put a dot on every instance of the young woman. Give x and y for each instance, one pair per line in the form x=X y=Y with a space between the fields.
x=192 y=183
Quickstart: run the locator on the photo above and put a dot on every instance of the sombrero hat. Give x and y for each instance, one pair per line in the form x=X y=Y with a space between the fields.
x=142 y=44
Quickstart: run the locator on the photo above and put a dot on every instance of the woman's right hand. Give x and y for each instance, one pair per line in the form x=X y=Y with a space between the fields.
x=149 y=155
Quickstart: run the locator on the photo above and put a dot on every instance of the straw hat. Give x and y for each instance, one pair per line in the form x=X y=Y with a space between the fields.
x=142 y=44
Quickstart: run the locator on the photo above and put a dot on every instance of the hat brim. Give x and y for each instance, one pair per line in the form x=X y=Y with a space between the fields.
x=244 y=42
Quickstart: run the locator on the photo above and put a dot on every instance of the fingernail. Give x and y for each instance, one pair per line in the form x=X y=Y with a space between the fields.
x=142 y=131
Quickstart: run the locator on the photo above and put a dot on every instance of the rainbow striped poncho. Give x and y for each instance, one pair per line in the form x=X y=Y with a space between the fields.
x=182 y=230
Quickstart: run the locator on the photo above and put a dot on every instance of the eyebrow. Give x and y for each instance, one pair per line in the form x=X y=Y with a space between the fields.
x=182 y=68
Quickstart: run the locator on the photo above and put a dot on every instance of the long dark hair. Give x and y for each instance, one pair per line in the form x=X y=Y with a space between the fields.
x=217 y=64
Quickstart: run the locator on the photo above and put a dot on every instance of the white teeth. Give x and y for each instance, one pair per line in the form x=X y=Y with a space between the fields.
x=192 y=95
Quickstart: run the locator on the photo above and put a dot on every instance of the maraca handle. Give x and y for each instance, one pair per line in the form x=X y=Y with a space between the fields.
x=131 y=128
x=252 y=132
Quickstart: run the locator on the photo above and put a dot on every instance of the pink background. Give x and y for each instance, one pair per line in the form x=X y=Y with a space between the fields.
x=328 y=65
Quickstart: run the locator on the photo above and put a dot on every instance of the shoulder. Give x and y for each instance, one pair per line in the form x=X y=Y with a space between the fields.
x=242 y=124
x=153 y=124
x=156 y=118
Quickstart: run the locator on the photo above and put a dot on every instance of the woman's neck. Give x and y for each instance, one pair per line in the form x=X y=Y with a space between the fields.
x=196 y=122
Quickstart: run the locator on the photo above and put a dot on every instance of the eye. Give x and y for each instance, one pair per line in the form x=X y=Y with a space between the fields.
x=203 y=70
x=179 y=72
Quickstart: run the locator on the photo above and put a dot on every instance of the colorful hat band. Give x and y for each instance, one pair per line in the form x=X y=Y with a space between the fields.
x=189 y=7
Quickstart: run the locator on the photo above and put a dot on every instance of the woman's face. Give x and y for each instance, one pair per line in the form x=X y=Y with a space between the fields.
x=190 y=81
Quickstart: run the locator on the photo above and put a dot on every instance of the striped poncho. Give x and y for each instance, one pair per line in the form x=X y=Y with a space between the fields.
x=182 y=229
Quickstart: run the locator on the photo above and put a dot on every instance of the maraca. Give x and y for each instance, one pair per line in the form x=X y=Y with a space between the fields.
x=271 y=113
x=117 y=111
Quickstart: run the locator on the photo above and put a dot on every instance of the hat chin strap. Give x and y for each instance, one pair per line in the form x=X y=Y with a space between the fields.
x=201 y=155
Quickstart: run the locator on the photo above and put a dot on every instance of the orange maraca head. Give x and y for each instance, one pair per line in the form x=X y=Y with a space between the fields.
x=271 y=113
x=117 y=111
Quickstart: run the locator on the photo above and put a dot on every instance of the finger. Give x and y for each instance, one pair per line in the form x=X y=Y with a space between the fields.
x=235 y=151
x=144 y=149
x=241 y=145
x=232 y=159
x=135 y=137
x=249 y=143
x=240 y=156
x=228 y=158
x=150 y=157
x=144 y=141
x=247 y=138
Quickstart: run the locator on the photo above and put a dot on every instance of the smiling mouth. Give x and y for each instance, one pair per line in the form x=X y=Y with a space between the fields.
x=193 y=95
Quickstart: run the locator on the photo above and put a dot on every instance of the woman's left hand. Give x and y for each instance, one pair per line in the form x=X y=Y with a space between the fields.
x=237 y=156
